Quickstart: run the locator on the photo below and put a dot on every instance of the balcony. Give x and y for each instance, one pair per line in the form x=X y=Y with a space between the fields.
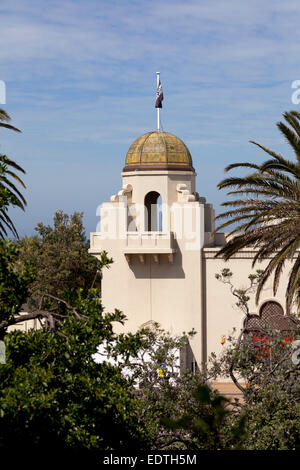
x=151 y=243
x=135 y=243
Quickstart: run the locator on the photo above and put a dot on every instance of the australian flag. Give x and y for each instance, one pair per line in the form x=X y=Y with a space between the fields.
x=159 y=96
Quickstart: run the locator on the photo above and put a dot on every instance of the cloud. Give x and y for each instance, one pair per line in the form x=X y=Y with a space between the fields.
x=80 y=81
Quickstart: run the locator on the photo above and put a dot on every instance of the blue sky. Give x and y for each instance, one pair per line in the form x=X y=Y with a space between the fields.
x=81 y=79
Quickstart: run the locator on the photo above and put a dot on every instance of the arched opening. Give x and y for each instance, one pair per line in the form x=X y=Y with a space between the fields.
x=153 y=212
x=271 y=315
x=270 y=309
x=271 y=323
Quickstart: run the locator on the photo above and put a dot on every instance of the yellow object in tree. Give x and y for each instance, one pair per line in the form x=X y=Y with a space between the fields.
x=223 y=339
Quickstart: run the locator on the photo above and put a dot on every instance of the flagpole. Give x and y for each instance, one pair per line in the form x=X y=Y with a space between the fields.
x=158 y=109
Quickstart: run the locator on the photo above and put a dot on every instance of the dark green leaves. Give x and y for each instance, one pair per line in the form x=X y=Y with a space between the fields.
x=14 y=284
x=61 y=259
x=54 y=394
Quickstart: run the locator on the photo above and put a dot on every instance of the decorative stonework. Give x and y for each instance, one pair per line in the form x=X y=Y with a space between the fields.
x=210 y=253
x=125 y=191
x=271 y=315
x=184 y=194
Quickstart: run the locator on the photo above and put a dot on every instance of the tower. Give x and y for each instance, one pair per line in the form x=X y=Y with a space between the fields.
x=154 y=229
x=161 y=236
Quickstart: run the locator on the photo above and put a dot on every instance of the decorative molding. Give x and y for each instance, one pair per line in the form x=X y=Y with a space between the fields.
x=184 y=194
x=142 y=258
x=126 y=191
x=210 y=254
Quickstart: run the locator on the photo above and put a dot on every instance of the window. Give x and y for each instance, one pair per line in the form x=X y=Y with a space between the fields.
x=153 y=214
x=271 y=315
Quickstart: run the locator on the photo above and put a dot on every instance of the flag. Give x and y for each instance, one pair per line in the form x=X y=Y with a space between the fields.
x=159 y=96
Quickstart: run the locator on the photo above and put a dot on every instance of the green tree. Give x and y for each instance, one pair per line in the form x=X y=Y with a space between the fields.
x=25 y=283
x=14 y=285
x=178 y=408
x=259 y=360
x=261 y=364
x=208 y=421
x=59 y=255
x=266 y=214
x=54 y=394
x=9 y=193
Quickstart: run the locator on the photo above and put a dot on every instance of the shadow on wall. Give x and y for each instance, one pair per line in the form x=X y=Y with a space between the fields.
x=146 y=267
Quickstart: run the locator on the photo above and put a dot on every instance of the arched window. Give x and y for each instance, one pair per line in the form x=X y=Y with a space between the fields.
x=153 y=214
x=271 y=315
x=270 y=309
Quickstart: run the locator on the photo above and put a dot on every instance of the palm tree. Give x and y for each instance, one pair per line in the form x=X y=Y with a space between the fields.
x=5 y=118
x=9 y=194
x=266 y=214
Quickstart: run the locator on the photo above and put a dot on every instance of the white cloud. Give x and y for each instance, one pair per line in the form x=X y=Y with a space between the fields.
x=80 y=79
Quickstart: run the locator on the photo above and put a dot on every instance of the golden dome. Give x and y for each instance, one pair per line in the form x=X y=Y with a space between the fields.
x=158 y=151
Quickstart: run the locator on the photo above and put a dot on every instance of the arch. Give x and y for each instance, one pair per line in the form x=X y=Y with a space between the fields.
x=271 y=315
x=269 y=309
x=153 y=214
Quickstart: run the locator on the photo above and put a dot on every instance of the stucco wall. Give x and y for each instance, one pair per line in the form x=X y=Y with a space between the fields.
x=220 y=310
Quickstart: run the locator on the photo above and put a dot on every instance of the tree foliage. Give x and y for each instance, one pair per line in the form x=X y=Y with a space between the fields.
x=56 y=395
x=178 y=407
x=9 y=193
x=53 y=393
x=266 y=210
x=260 y=363
x=208 y=422
x=59 y=255
x=269 y=382
x=14 y=285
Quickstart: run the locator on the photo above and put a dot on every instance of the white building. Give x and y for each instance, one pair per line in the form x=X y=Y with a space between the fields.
x=159 y=232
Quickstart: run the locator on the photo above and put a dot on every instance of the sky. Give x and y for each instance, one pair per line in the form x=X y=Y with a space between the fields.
x=80 y=82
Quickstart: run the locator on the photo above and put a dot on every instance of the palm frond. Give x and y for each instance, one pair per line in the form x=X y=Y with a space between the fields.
x=9 y=126
x=7 y=161
x=292 y=284
x=5 y=118
x=265 y=149
x=293 y=120
x=7 y=222
x=19 y=198
x=264 y=212
x=9 y=193
x=237 y=165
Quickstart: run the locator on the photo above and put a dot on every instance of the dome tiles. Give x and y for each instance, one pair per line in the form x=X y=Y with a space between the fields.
x=158 y=151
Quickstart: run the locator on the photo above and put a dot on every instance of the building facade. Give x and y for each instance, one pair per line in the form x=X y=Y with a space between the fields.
x=161 y=235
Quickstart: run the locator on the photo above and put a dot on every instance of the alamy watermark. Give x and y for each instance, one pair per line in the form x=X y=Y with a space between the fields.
x=2 y=92
x=138 y=224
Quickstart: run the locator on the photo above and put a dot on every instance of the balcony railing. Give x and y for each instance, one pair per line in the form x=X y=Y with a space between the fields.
x=149 y=242
x=136 y=243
